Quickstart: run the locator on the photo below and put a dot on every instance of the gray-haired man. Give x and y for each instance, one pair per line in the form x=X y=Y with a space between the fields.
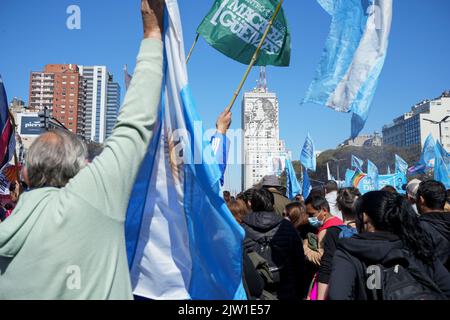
x=65 y=239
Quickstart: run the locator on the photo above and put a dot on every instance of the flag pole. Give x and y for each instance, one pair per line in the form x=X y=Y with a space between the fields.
x=254 y=58
x=16 y=159
x=192 y=48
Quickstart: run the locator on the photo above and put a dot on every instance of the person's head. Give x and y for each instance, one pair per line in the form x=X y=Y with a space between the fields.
x=390 y=189
x=317 y=192
x=346 y=199
x=260 y=200
x=388 y=212
x=227 y=196
x=431 y=196
x=94 y=149
x=318 y=210
x=299 y=198
x=411 y=190
x=295 y=212
x=14 y=191
x=53 y=159
x=330 y=186
x=270 y=181
x=447 y=204
x=238 y=209
x=8 y=206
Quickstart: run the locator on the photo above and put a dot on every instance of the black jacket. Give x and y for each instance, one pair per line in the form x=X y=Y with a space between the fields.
x=437 y=224
x=348 y=278
x=287 y=251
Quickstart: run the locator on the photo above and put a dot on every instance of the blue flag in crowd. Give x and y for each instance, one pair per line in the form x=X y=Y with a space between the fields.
x=308 y=157
x=428 y=153
x=7 y=139
x=442 y=166
x=357 y=163
x=292 y=185
x=182 y=240
x=354 y=55
x=400 y=165
x=306 y=185
x=372 y=173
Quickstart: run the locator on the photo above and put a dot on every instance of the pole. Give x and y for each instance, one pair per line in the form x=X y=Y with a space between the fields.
x=16 y=159
x=338 y=176
x=255 y=57
x=192 y=48
x=440 y=132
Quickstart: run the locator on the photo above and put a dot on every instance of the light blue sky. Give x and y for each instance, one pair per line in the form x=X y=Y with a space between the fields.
x=33 y=33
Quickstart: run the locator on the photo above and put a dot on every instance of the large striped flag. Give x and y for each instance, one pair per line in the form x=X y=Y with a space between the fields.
x=354 y=55
x=400 y=165
x=292 y=186
x=357 y=163
x=7 y=139
x=308 y=156
x=442 y=165
x=182 y=241
x=372 y=173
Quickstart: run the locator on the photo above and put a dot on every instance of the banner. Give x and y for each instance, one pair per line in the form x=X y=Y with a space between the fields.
x=361 y=181
x=236 y=27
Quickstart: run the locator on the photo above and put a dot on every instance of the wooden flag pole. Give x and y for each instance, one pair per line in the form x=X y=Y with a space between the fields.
x=192 y=48
x=254 y=58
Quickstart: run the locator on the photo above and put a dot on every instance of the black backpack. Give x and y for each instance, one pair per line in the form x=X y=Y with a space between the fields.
x=263 y=246
x=400 y=281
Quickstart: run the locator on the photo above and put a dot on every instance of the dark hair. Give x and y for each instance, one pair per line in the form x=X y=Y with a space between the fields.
x=226 y=193
x=392 y=213
x=12 y=186
x=296 y=213
x=238 y=208
x=434 y=194
x=390 y=189
x=346 y=199
x=261 y=200
x=318 y=192
x=318 y=202
x=9 y=206
x=330 y=186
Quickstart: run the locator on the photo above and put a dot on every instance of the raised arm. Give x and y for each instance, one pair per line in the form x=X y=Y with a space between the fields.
x=107 y=182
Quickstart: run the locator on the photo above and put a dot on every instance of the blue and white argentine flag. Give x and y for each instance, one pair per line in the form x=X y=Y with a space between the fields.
x=182 y=241
x=354 y=55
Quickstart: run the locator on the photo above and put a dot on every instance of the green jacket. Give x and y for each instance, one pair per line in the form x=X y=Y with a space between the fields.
x=69 y=243
x=280 y=201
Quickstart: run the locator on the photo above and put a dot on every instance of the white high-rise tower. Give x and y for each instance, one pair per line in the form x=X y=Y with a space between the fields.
x=264 y=153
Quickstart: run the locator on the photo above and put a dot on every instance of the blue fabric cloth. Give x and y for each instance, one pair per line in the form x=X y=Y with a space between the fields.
x=353 y=58
x=308 y=157
x=292 y=185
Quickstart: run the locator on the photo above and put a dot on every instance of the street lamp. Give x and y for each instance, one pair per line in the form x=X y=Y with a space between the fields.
x=440 y=125
x=337 y=160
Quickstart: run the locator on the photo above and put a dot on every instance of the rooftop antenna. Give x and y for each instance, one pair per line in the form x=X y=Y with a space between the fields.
x=262 y=83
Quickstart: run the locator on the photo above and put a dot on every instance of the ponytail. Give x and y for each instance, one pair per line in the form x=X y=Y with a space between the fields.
x=392 y=213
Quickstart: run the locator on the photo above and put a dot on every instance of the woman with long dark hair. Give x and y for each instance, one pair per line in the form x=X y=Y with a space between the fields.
x=390 y=258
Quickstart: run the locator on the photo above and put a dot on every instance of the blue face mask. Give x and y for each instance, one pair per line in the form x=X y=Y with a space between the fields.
x=315 y=222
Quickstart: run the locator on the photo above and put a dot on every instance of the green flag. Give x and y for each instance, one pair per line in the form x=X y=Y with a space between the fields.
x=235 y=28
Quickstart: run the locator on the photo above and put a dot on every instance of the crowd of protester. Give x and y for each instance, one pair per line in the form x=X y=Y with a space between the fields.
x=340 y=245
